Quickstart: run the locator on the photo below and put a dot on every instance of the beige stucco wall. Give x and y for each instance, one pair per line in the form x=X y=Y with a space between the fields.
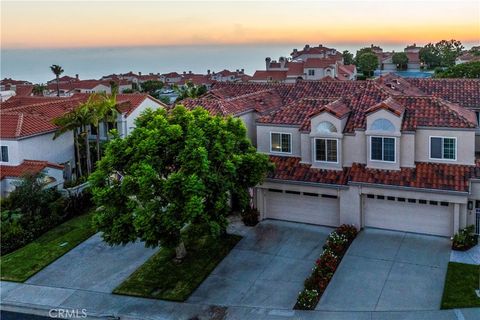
x=354 y=148
x=263 y=139
x=350 y=206
x=465 y=145
x=407 y=147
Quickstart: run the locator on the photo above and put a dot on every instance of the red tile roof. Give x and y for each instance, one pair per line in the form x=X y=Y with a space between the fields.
x=23 y=89
x=465 y=92
x=290 y=168
x=319 y=62
x=295 y=68
x=388 y=104
x=269 y=75
x=27 y=166
x=425 y=175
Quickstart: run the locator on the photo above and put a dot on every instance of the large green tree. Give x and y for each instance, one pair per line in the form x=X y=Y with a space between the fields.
x=367 y=62
x=189 y=90
x=360 y=52
x=441 y=54
x=464 y=70
x=401 y=60
x=152 y=87
x=176 y=170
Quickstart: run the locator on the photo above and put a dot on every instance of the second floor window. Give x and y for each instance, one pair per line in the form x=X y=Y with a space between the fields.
x=443 y=148
x=326 y=150
x=281 y=142
x=382 y=149
x=311 y=72
x=4 y=155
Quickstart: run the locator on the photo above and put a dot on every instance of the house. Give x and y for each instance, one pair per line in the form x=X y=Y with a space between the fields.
x=171 y=78
x=10 y=87
x=311 y=63
x=468 y=57
x=68 y=89
x=362 y=153
x=385 y=58
x=27 y=132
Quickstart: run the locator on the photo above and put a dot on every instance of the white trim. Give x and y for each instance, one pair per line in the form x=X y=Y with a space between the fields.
x=326 y=151
x=281 y=152
x=442 y=158
x=394 y=149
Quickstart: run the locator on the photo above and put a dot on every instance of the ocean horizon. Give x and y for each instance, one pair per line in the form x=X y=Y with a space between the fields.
x=93 y=63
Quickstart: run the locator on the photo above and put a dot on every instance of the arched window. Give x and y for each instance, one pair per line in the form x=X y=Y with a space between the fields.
x=326 y=127
x=383 y=125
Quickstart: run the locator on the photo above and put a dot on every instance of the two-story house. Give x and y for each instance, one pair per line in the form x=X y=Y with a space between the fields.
x=352 y=152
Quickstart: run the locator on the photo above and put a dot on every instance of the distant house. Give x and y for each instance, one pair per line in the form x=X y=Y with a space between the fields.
x=385 y=58
x=68 y=89
x=311 y=63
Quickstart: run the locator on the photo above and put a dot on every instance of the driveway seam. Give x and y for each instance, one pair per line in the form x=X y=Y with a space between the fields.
x=404 y=262
x=390 y=271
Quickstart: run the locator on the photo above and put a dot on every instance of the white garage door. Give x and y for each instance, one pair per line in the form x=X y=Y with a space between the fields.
x=302 y=207
x=435 y=218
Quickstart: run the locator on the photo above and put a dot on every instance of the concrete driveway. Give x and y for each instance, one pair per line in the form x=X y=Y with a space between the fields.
x=93 y=265
x=389 y=271
x=266 y=269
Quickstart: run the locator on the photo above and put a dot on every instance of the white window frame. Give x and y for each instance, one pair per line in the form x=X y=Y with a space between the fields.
x=8 y=155
x=442 y=158
x=281 y=152
x=311 y=72
x=394 y=149
x=315 y=150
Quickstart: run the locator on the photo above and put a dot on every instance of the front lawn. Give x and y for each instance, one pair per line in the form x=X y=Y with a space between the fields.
x=460 y=284
x=25 y=262
x=161 y=278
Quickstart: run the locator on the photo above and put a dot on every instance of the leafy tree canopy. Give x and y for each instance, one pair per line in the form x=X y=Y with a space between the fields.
x=368 y=62
x=347 y=57
x=189 y=90
x=441 y=54
x=360 y=52
x=400 y=59
x=152 y=87
x=176 y=169
x=464 y=70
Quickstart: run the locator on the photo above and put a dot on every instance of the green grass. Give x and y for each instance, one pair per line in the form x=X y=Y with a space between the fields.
x=162 y=278
x=460 y=284
x=28 y=260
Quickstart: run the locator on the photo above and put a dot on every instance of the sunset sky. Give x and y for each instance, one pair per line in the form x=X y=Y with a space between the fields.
x=41 y=24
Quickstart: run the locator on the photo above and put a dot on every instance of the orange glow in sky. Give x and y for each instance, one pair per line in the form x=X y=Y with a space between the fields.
x=43 y=24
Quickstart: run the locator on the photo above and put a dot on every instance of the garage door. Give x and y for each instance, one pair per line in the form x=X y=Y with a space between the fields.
x=412 y=215
x=302 y=207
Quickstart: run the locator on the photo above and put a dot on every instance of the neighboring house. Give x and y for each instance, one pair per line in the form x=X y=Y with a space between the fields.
x=311 y=63
x=360 y=152
x=10 y=176
x=9 y=83
x=27 y=130
x=171 y=78
x=468 y=57
x=385 y=62
x=68 y=89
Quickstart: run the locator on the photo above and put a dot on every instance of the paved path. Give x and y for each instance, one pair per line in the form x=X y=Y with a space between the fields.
x=389 y=271
x=471 y=256
x=93 y=265
x=267 y=268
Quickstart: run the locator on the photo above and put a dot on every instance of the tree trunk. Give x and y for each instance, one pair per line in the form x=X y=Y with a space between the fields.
x=58 y=86
x=77 y=149
x=87 y=147
x=98 y=142
x=180 y=252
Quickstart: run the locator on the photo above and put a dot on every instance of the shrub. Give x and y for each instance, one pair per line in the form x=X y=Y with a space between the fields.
x=250 y=217
x=307 y=299
x=465 y=239
x=348 y=230
x=336 y=243
x=327 y=263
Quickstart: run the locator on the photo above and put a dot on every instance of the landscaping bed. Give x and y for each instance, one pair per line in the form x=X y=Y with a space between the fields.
x=460 y=284
x=163 y=278
x=465 y=239
x=33 y=257
x=333 y=251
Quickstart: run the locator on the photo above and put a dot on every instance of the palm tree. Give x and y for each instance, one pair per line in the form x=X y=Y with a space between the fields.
x=57 y=71
x=70 y=122
x=103 y=110
x=110 y=112
x=85 y=119
x=38 y=89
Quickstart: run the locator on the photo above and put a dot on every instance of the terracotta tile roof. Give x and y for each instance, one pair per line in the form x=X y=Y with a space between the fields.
x=397 y=85
x=469 y=57
x=171 y=75
x=295 y=68
x=10 y=81
x=290 y=168
x=319 y=62
x=338 y=108
x=17 y=101
x=425 y=175
x=296 y=113
x=413 y=57
x=23 y=89
x=465 y=92
x=27 y=166
x=269 y=75
x=388 y=104
x=127 y=103
x=197 y=79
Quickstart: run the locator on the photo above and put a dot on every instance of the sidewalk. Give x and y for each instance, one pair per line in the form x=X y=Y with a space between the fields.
x=471 y=256
x=36 y=299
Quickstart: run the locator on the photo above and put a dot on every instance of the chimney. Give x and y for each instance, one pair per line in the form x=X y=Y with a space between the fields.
x=184 y=72
x=307 y=46
x=151 y=73
x=189 y=72
x=320 y=45
x=139 y=73
x=242 y=71
x=267 y=62
x=76 y=76
x=282 y=61
x=208 y=71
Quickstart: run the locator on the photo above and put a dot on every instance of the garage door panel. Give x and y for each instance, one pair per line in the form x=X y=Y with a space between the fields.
x=301 y=208
x=404 y=216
